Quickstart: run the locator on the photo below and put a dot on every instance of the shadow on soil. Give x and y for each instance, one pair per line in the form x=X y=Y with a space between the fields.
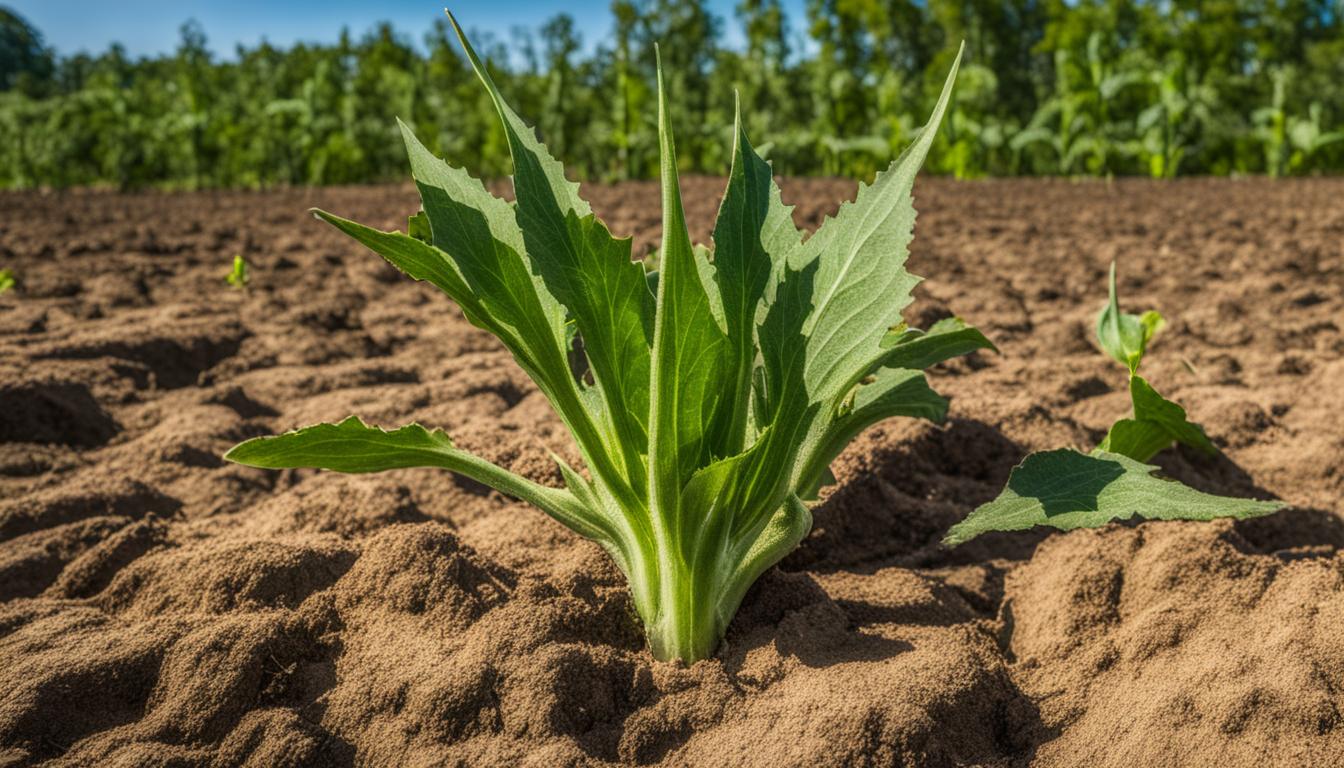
x=1292 y=533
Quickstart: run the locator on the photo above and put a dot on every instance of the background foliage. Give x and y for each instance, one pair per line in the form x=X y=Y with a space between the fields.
x=1083 y=87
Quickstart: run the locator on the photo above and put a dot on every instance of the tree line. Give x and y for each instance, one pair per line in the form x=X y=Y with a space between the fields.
x=1048 y=87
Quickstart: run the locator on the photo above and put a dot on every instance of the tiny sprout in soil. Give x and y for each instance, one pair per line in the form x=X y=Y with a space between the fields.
x=238 y=277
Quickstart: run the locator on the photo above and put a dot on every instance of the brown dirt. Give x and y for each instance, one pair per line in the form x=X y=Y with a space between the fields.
x=161 y=607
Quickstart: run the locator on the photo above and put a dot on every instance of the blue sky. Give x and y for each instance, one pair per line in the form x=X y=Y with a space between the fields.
x=149 y=27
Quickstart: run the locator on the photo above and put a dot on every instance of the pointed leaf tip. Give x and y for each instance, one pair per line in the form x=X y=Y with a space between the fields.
x=1065 y=489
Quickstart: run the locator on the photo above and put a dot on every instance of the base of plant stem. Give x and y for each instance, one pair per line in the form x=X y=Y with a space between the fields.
x=682 y=643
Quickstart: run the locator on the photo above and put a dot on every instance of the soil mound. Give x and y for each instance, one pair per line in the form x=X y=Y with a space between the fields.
x=159 y=606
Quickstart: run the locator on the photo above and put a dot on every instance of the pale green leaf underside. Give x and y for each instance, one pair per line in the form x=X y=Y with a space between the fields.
x=948 y=338
x=1066 y=489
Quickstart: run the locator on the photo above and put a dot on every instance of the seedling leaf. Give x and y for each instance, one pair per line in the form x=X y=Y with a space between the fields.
x=1123 y=336
x=238 y=276
x=1156 y=423
x=1067 y=489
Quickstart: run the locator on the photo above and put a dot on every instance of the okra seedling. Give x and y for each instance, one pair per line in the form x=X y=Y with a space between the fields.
x=709 y=402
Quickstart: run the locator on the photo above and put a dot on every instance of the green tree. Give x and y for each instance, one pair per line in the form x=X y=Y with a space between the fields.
x=26 y=64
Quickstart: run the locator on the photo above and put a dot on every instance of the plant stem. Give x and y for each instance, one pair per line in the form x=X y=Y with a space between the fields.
x=686 y=627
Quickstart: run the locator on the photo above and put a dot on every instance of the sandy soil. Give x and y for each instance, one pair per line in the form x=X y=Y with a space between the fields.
x=161 y=607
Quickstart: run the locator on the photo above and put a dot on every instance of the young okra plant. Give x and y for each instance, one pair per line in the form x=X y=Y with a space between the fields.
x=1067 y=489
x=711 y=404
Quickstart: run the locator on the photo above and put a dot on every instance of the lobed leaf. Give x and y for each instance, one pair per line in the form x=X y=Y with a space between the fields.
x=479 y=233
x=851 y=280
x=420 y=261
x=754 y=231
x=1066 y=489
x=861 y=284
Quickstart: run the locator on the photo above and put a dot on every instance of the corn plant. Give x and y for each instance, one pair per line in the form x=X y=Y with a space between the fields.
x=1307 y=136
x=1182 y=104
x=1075 y=124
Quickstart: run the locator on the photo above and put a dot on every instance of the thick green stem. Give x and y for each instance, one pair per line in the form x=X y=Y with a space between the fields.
x=687 y=626
x=694 y=605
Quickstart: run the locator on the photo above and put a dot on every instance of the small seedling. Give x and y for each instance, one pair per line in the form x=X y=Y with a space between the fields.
x=238 y=277
x=6 y=280
x=1067 y=489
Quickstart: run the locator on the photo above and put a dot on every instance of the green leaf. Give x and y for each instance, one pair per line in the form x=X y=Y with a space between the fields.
x=829 y=307
x=511 y=311
x=479 y=233
x=6 y=280
x=1157 y=422
x=892 y=392
x=782 y=533
x=417 y=226
x=948 y=338
x=861 y=284
x=1139 y=440
x=1123 y=336
x=237 y=278
x=1150 y=406
x=753 y=231
x=590 y=273
x=352 y=446
x=689 y=354
x=420 y=261
x=1066 y=489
